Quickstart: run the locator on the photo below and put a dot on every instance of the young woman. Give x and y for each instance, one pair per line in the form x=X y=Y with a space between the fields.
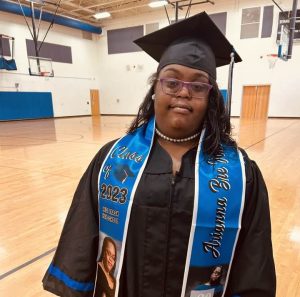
x=176 y=194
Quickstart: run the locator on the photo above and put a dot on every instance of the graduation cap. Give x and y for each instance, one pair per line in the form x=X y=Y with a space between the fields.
x=195 y=42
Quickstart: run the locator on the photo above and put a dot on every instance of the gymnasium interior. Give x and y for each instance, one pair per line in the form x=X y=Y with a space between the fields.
x=71 y=80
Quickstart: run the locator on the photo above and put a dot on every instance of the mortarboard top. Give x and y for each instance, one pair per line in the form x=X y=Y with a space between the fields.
x=195 y=42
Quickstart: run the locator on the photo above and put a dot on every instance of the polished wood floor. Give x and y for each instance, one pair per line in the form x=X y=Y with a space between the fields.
x=41 y=162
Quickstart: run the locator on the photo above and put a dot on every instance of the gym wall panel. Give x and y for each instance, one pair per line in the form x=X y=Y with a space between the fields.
x=5 y=47
x=56 y=52
x=121 y=40
x=267 y=22
x=220 y=19
x=25 y=105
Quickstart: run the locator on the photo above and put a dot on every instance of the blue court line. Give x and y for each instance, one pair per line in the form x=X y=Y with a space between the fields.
x=6 y=274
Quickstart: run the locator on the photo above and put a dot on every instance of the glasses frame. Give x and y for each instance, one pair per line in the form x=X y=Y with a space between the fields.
x=186 y=84
x=109 y=255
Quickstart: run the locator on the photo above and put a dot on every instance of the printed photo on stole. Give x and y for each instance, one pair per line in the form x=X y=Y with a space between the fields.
x=107 y=262
x=206 y=281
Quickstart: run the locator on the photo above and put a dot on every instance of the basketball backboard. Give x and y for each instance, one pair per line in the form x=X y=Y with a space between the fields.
x=283 y=45
x=40 y=66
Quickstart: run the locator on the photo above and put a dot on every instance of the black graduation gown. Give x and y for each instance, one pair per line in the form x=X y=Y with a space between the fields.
x=158 y=233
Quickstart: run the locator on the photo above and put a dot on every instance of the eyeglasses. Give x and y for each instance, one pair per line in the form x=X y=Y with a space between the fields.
x=110 y=255
x=216 y=272
x=172 y=86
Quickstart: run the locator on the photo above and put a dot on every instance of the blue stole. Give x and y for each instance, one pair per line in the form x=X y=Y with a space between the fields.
x=218 y=207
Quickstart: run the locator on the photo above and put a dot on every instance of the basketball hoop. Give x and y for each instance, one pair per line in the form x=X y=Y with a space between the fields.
x=272 y=59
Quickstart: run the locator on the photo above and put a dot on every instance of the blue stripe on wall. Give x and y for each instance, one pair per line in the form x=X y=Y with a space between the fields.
x=25 y=105
x=75 y=285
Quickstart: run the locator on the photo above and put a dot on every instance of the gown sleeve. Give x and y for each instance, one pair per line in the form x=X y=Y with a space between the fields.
x=253 y=271
x=73 y=268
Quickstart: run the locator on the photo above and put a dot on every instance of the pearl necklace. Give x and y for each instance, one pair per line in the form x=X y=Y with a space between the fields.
x=176 y=139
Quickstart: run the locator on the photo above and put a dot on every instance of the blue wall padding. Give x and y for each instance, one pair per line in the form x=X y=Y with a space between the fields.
x=25 y=105
x=46 y=16
x=224 y=94
x=7 y=64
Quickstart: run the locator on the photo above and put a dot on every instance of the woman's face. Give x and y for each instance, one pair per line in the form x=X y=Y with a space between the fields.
x=109 y=257
x=215 y=274
x=180 y=115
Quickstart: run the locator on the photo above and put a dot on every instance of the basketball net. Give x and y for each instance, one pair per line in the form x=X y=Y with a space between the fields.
x=272 y=59
x=45 y=73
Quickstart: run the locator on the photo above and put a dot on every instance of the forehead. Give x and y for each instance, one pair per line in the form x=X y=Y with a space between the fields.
x=183 y=70
x=110 y=246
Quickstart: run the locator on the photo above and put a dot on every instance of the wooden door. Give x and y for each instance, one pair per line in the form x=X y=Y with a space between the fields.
x=262 y=102
x=255 y=102
x=249 y=101
x=95 y=110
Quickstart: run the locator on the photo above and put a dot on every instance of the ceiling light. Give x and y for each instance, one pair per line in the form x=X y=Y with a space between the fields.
x=102 y=15
x=40 y=2
x=155 y=4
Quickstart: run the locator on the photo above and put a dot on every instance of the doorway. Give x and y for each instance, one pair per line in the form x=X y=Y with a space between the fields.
x=94 y=95
x=255 y=104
